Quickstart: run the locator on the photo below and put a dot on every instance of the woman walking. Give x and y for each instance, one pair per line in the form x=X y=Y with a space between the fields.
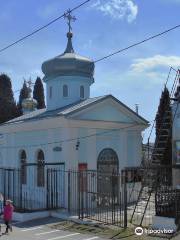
x=8 y=213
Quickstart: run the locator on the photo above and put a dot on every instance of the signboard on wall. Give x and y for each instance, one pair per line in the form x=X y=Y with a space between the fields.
x=82 y=167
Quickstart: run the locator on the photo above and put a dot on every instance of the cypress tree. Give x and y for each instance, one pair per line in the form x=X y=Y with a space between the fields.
x=38 y=93
x=164 y=116
x=8 y=108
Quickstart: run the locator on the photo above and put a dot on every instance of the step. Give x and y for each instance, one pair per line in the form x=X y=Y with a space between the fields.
x=165 y=123
x=156 y=162
x=159 y=148
x=157 y=154
x=167 y=117
x=139 y=212
x=162 y=142
x=165 y=137
x=141 y=205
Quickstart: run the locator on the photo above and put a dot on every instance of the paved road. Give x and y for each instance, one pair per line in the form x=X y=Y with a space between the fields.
x=40 y=230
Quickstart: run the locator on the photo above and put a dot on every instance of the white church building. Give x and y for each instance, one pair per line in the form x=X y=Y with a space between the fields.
x=75 y=131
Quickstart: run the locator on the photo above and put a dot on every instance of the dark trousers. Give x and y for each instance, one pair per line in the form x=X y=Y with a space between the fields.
x=8 y=225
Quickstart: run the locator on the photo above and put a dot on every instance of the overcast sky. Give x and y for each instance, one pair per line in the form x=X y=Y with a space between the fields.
x=103 y=26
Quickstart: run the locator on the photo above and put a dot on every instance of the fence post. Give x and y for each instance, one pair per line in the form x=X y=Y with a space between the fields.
x=21 y=192
x=69 y=191
x=82 y=193
x=112 y=179
x=47 y=188
x=125 y=198
x=79 y=195
x=3 y=187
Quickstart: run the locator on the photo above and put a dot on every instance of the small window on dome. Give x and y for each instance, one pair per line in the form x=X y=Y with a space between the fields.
x=65 y=91
x=50 y=92
x=81 y=91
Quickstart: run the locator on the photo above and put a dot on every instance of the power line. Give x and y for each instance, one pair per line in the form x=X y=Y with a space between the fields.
x=43 y=27
x=100 y=59
x=71 y=139
x=138 y=43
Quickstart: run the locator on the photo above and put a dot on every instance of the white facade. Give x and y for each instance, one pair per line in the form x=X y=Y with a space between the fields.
x=73 y=130
x=48 y=133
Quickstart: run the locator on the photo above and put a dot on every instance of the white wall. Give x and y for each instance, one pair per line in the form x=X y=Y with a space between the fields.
x=126 y=143
x=57 y=100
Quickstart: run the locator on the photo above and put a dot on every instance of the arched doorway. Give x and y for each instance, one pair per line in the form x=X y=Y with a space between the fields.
x=108 y=178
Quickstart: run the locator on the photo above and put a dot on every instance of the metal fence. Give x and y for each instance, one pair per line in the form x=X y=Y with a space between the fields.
x=27 y=194
x=168 y=202
x=88 y=194
x=102 y=198
x=109 y=198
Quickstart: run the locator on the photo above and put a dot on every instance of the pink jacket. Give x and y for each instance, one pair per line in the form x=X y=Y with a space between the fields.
x=8 y=212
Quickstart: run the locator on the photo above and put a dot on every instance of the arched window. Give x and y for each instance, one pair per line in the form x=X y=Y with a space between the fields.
x=65 y=91
x=40 y=169
x=81 y=91
x=23 y=162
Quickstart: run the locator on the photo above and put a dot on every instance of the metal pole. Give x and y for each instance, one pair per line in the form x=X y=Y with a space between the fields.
x=82 y=195
x=79 y=195
x=69 y=191
x=125 y=199
x=47 y=188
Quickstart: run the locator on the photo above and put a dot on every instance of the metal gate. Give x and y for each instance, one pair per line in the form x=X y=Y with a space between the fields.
x=106 y=205
x=29 y=195
x=56 y=188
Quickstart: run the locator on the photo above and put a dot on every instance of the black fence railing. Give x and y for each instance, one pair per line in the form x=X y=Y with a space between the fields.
x=105 y=197
x=102 y=197
x=168 y=202
x=87 y=194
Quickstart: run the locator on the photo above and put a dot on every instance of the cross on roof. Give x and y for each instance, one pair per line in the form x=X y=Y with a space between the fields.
x=30 y=83
x=70 y=18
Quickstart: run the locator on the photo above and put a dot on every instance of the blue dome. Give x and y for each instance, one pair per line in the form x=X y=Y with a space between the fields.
x=69 y=63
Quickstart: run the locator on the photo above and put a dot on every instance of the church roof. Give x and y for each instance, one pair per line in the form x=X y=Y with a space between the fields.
x=68 y=64
x=67 y=110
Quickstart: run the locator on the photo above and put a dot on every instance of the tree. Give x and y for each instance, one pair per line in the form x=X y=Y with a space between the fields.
x=38 y=93
x=24 y=93
x=164 y=128
x=8 y=108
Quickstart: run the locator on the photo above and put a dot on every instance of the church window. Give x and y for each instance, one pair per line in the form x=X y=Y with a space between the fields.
x=81 y=91
x=23 y=159
x=50 y=92
x=65 y=91
x=40 y=169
